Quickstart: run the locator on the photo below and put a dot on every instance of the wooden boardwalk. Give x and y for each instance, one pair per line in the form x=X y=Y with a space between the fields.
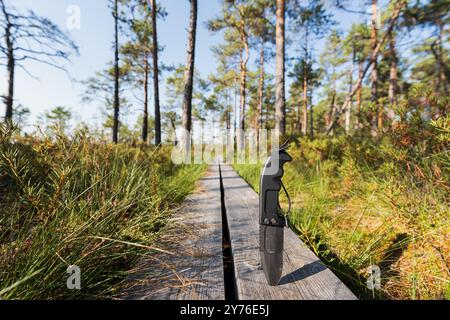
x=305 y=277
x=196 y=270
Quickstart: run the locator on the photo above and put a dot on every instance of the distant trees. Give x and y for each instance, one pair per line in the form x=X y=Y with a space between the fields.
x=137 y=52
x=58 y=117
x=433 y=54
x=331 y=60
x=356 y=48
x=21 y=115
x=224 y=81
x=29 y=37
x=399 y=6
x=355 y=85
x=237 y=18
x=132 y=67
x=100 y=88
x=360 y=71
x=310 y=21
x=263 y=29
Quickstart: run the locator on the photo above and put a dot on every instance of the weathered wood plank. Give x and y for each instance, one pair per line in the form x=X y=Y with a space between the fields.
x=195 y=271
x=305 y=277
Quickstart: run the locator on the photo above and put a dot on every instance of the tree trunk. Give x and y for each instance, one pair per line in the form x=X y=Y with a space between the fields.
x=393 y=71
x=305 y=103
x=359 y=96
x=156 y=74
x=235 y=107
x=174 y=129
x=298 y=115
x=116 y=74
x=243 y=88
x=228 y=111
x=145 y=120
x=331 y=112
x=258 y=121
x=280 y=103
x=189 y=71
x=348 y=112
x=442 y=77
x=305 y=87
x=374 y=74
x=311 y=119
x=11 y=65
x=11 y=74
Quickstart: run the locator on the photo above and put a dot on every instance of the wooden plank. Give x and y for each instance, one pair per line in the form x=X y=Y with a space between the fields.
x=305 y=277
x=195 y=271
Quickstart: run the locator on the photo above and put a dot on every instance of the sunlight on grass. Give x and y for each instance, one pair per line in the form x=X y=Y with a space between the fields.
x=360 y=209
x=81 y=202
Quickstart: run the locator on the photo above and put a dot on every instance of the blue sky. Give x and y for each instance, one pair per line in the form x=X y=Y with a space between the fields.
x=95 y=37
x=95 y=41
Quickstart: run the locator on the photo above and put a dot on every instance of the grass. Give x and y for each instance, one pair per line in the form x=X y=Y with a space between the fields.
x=81 y=202
x=356 y=205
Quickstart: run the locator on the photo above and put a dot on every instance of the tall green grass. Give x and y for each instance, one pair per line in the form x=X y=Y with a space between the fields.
x=77 y=201
x=358 y=203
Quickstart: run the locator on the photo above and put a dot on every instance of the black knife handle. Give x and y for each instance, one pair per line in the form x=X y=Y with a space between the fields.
x=270 y=186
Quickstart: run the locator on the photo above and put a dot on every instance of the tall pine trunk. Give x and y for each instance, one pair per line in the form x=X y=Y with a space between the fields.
x=305 y=104
x=374 y=75
x=348 y=111
x=442 y=79
x=305 y=87
x=258 y=118
x=156 y=74
x=116 y=74
x=359 y=95
x=393 y=75
x=393 y=70
x=280 y=103
x=189 y=74
x=11 y=65
x=243 y=87
x=331 y=113
x=235 y=107
x=145 y=119
x=311 y=118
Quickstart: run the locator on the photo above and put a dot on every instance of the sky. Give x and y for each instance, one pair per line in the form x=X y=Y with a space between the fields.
x=94 y=38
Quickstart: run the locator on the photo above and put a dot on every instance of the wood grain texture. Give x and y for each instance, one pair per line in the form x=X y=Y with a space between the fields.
x=195 y=270
x=304 y=277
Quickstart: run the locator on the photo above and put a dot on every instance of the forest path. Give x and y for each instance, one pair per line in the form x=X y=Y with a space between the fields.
x=216 y=252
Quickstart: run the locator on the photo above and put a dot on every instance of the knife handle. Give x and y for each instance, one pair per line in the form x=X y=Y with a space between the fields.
x=270 y=186
x=276 y=178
